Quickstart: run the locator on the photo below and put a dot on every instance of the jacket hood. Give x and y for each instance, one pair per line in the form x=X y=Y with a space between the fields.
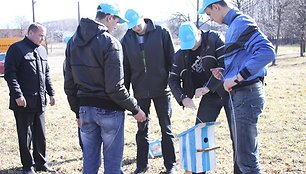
x=87 y=30
x=150 y=24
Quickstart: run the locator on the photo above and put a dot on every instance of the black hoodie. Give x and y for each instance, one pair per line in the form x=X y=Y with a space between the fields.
x=149 y=79
x=94 y=70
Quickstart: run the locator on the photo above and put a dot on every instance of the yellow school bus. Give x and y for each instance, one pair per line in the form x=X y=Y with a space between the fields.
x=5 y=43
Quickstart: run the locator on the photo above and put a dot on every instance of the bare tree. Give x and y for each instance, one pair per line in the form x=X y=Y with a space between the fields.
x=301 y=23
x=246 y=6
x=175 y=21
x=22 y=23
x=280 y=10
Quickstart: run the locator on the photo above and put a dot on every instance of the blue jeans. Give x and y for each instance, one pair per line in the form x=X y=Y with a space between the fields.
x=248 y=103
x=100 y=126
x=209 y=110
x=163 y=109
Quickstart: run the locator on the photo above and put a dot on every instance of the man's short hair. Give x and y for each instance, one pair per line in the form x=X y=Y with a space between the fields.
x=34 y=27
x=100 y=15
x=105 y=9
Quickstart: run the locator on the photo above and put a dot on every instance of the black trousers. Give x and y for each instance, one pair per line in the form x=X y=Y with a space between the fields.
x=164 y=111
x=80 y=140
x=31 y=128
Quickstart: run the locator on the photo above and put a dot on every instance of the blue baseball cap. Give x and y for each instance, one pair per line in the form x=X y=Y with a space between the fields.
x=205 y=4
x=111 y=8
x=187 y=35
x=133 y=18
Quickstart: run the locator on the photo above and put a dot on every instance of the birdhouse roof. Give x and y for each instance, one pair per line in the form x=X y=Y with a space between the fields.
x=198 y=126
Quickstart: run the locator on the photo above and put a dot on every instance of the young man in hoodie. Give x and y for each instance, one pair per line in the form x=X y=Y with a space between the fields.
x=148 y=52
x=94 y=85
x=247 y=54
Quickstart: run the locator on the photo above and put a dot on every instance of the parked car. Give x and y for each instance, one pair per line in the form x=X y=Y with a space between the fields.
x=2 y=60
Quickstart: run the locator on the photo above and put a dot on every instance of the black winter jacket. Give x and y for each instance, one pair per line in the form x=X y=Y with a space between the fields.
x=149 y=79
x=94 y=70
x=180 y=80
x=27 y=74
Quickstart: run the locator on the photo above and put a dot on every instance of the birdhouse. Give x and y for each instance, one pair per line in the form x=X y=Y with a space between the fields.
x=198 y=148
x=155 y=149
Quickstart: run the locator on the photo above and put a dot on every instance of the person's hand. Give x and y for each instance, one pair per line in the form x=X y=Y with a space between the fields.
x=21 y=101
x=140 y=116
x=201 y=91
x=188 y=103
x=78 y=122
x=228 y=84
x=52 y=100
x=217 y=72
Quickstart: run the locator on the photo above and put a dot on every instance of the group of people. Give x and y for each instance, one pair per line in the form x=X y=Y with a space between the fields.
x=99 y=70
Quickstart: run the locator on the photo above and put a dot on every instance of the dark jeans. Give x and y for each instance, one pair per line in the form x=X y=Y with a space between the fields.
x=248 y=103
x=31 y=127
x=209 y=110
x=163 y=109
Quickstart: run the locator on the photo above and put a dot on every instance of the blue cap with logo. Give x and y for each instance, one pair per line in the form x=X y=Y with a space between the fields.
x=205 y=4
x=187 y=35
x=111 y=8
x=133 y=18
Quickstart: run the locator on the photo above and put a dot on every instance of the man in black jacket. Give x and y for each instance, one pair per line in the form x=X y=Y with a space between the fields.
x=28 y=79
x=148 y=52
x=200 y=51
x=94 y=85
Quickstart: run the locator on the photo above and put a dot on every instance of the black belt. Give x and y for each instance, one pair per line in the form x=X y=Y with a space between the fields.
x=248 y=83
x=248 y=88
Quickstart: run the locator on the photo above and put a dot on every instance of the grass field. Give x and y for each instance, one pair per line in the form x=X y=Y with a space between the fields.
x=282 y=127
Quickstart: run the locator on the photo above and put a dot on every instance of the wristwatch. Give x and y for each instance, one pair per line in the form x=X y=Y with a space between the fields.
x=236 y=80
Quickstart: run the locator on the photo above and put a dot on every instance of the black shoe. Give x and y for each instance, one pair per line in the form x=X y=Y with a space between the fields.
x=45 y=168
x=171 y=171
x=29 y=170
x=141 y=170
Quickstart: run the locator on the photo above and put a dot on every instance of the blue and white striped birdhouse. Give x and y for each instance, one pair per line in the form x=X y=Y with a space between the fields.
x=198 y=148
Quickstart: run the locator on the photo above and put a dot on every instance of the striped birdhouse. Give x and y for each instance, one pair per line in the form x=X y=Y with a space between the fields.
x=198 y=148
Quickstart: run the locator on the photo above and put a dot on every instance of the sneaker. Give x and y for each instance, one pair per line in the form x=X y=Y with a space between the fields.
x=171 y=171
x=29 y=170
x=45 y=168
x=141 y=170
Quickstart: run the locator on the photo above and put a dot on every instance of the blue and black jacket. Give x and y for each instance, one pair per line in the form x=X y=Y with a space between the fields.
x=247 y=49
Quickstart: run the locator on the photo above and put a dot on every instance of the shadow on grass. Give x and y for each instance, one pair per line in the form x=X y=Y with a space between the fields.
x=128 y=161
x=15 y=170
x=18 y=170
x=133 y=160
x=64 y=162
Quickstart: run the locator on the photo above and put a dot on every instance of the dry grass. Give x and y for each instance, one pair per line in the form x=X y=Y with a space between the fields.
x=282 y=133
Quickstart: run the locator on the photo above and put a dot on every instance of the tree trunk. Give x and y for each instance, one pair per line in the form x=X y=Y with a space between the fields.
x=198 y=18
x=302 y=46
x=279 y=21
